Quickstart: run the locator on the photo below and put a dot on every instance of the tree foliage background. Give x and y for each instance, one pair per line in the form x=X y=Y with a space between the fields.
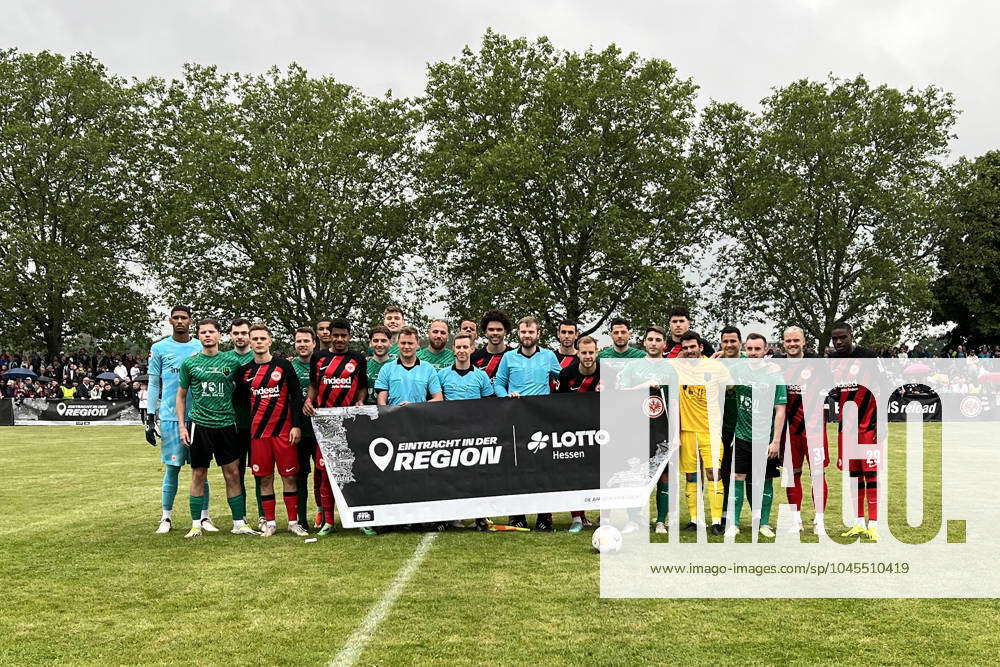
x=74 y=176
x=558 y=181
x=579 y=185
x=284 y=197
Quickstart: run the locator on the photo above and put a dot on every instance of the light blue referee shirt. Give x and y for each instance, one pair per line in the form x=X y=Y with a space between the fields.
x=408 y=385
x=461 y=385
x=528 y=376
x=164 y=365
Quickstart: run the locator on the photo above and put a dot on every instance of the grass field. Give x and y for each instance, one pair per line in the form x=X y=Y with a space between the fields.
x=85 y=580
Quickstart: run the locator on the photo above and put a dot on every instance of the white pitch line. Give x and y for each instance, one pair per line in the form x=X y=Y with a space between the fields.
x=354 y=646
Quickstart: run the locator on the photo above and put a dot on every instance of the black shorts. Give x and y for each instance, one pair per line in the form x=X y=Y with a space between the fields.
x=218 y=442
x=726 y=466
x=307 y=448
x=743 y=460
x=659 y=434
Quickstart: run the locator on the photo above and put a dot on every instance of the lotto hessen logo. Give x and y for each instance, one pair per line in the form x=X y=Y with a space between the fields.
x=538 y=441
x=82 y=410
x=653 y=407
x=567 y=439
x=466 y=452
x=364 y=515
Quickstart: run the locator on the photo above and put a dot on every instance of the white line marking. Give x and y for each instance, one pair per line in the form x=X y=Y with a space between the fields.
x=356 y=643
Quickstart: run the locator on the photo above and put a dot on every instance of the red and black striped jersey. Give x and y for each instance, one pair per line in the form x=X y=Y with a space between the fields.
x=571 y=379
x=565 y=361
x=851 y=387
x=795 y=419
x=487 y=361
x=272 y=392
x=339 y=378
x=673 y=350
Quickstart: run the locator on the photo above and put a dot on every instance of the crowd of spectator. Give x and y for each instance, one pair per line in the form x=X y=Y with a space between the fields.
x=75 y=376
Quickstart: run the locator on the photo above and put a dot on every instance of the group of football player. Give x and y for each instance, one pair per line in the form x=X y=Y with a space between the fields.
x=249 y=407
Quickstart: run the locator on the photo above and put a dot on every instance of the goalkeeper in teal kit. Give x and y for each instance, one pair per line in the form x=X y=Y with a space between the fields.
x=526 y=371
x=164 y=364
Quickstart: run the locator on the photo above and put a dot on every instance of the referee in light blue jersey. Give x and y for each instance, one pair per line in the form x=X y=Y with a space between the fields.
x=462 y=380
x=164 y=364
x=526 y=371
x=459 y=382
x=407 y=380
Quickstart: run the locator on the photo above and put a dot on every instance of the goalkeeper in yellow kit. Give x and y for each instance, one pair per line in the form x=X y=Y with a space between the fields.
x=702 y=383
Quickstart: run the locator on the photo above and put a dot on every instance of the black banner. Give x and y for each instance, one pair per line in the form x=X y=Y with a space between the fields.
x=71 y=411
x=6 y=412
x=459 y=459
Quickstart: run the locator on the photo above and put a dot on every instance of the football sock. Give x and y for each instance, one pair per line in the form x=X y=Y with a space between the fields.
x=204 y=506
x=662 y=501
x=795 y=492
x=170 y=486
x=196 y=505
x=238 y=506
x=871 y=492
x=861 y=497
x=576 y=514
x=326 y=500
x=765 y=502
x=739 y=492
x=691 y=492
x=318 y=476
x=260 y=498
x=302 y=484
x=715 y=499
x=291 y=499
x=166 y=515
x=725 y=495
x=267 y=505
x=821 y=506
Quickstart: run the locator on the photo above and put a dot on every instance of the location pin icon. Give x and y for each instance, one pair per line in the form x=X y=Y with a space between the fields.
x=381 y=460
x=61 y=409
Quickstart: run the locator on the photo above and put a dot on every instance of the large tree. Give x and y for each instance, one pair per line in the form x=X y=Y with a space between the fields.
x=968 y=291
x=284 y=197
x=73 y=172
x=558 y=181
x=827 y=201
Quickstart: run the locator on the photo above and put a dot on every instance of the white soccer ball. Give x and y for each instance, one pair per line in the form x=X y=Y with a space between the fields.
x=607 y=540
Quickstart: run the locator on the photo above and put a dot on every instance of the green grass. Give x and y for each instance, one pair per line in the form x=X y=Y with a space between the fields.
x=85 y=580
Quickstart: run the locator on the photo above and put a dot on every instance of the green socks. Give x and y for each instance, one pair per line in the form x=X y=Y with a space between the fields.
x=238 y=506
x=197 y=503
x=662 y=496
x=739 y=493
x=765 y=502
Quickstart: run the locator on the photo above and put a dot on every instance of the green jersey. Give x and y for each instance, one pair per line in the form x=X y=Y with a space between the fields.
x=302 y=373
x=374 y=367
x=243 y=409
x=747 y=378
x=729 y=412
x=629 y=353
x=210 y=381
x=439 y=360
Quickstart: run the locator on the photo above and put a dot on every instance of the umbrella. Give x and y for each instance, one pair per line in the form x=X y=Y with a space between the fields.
x=107 y=375
x=45 y=379
x=19 y=373
x=141 y=378
x=916 y=369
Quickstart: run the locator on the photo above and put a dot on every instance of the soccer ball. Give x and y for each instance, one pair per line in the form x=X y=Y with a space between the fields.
x=607 y=540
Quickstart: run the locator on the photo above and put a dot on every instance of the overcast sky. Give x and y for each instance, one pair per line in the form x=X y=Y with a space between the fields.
x=735 y=50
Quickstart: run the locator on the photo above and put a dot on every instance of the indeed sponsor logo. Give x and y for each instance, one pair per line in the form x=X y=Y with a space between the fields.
x=338 y=383
x=267 y=391
x=434 y=453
